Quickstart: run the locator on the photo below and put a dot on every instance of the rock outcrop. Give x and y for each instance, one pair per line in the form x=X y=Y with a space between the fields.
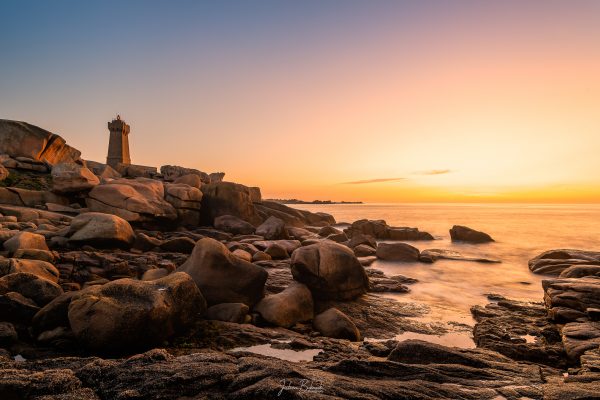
x=127 y=315
x=20 y=139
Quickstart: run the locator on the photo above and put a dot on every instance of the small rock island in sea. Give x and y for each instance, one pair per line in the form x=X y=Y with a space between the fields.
x=124 y=281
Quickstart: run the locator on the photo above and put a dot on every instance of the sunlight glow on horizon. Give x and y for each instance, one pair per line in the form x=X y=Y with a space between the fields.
x=377 y=102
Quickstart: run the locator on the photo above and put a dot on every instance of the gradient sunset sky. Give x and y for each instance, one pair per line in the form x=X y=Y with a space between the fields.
x=380 y=101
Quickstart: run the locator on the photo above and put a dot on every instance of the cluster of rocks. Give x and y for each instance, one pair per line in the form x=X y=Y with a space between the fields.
x=572 y=297
x=120 y=261
x=563 y=331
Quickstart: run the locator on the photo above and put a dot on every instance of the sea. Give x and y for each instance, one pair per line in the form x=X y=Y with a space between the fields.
x=450 y=288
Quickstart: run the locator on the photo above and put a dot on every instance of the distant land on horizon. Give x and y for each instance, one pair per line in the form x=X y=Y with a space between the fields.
x=296 y=201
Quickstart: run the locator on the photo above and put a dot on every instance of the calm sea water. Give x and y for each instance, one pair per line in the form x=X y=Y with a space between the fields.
x=450 y=288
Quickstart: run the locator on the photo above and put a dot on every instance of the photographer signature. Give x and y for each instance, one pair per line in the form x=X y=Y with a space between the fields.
x=305 y=385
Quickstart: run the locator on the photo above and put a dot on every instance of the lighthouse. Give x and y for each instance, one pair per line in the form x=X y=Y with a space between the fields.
x=118 y=145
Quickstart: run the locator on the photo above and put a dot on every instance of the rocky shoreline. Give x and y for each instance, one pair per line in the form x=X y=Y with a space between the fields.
x=127 y=283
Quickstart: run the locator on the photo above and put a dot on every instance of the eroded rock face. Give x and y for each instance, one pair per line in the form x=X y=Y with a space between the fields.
x=20 y=139
x=72 y=177
x=288 y=307
x=223 y=277
x=127 y=315
x=459 y=233
x=139 y=199
x=330 y=270
x=227 y=198
x=101 y=230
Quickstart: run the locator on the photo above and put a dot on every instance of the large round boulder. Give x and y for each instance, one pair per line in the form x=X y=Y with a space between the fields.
x=101 y=229
x=330 y=270
x=127 y=315
x=222 y=277
x=25 y=240
x=335 y=324
x=285 y=309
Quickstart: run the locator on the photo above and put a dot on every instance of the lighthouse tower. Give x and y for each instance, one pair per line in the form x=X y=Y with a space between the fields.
x=118 y=145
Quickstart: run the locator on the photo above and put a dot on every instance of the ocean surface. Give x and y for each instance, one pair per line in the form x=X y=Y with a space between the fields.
x=449 y=288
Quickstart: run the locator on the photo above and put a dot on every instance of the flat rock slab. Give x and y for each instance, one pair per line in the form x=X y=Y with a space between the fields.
x=554 y=262
x=432 y=255
x=211 y=374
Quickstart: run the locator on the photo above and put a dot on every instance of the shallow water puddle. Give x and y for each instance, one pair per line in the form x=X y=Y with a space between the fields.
x=282 y=354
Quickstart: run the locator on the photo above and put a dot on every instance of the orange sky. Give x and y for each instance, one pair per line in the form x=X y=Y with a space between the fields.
x=501 y=101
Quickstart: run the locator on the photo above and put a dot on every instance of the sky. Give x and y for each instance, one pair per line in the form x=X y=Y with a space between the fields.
x=375 y=101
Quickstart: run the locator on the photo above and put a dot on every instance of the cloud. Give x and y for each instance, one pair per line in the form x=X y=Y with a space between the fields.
x=434 y=172
x=378 y=180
